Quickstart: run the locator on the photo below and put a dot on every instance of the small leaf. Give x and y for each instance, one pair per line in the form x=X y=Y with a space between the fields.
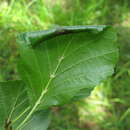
x=58 y=64
x=13 y=101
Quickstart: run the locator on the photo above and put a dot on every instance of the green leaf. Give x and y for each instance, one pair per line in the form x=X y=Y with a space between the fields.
x=40 y=120
x=58 y=64
x=81 y=94
x=13 y=101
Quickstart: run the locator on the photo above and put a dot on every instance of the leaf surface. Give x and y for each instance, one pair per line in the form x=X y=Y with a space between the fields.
x=13 y=101
x=58 y=64
x=40 y=120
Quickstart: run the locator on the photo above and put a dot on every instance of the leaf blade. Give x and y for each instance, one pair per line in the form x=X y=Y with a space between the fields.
x=101 y=53
x=11 y=93
x=40 y=120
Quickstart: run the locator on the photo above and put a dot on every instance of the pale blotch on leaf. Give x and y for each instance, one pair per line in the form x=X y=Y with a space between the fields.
x=52 y=76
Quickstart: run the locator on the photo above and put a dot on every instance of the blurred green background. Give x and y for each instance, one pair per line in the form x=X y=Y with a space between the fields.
x=108 y=107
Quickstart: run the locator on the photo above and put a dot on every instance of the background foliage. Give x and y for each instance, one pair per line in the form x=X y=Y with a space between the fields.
x=108 y=107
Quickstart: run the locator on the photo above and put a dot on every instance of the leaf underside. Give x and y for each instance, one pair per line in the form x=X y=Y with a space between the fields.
x=62 y=66
x=56 y=66
x=14 y=108
x=40 y=120
x=13 y=101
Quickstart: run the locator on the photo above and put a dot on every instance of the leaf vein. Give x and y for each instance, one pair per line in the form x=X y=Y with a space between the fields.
x=81 y=61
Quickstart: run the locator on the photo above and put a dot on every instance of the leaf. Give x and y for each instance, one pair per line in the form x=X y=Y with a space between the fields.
x=13 y=101
x=81 y=94
x=39 y=121
x=58 y=64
